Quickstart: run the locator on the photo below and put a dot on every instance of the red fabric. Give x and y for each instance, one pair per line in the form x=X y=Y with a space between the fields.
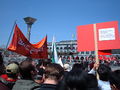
x=104 y=52
x=77 y=58
x=4 y=76
x=105 y=58
x=113 y=58
x=21 y=45
x=85 y=37
x=100 y=57
x=91 y=65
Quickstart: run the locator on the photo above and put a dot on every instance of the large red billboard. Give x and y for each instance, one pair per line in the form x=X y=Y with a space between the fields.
x=107 y=36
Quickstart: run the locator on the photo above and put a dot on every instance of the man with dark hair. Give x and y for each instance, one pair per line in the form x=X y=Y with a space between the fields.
x=53 y=73
x=104 y=72
x=76 y=79
x=27 y=72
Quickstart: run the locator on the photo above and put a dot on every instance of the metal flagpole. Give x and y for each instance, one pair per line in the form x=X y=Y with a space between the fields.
x=11 y=34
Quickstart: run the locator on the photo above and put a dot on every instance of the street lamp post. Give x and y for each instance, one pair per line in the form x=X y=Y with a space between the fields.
x=29 y=21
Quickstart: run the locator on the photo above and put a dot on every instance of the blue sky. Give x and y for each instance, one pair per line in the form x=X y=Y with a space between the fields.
x=55 y=17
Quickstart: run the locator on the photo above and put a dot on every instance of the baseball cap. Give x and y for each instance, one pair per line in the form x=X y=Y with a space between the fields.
x=12 y=68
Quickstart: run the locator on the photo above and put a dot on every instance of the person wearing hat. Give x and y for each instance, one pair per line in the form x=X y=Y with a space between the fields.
x=11 y=75
x=66 y=67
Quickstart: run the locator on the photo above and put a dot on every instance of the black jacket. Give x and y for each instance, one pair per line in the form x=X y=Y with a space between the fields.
x=47 y=87
x=3 y=86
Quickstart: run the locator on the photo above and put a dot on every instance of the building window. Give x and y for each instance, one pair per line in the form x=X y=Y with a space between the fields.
x=87 y=52
x=61 y=48
x=73 y=48
x=69 y=47
x=65 y=47
x=82 y=52
x=92 y=52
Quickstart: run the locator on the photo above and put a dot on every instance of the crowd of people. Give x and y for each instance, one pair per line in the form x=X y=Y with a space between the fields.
x=45 y=75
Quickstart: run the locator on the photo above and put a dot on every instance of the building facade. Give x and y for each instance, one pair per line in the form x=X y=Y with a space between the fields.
x=67 y=49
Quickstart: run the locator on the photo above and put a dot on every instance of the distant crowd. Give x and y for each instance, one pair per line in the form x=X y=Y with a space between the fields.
x=45 y=75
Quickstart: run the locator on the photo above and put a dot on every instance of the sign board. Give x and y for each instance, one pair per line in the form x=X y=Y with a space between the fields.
x=107 y=36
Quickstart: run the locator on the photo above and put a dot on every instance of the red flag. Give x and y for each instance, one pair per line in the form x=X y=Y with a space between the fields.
x=21 y=45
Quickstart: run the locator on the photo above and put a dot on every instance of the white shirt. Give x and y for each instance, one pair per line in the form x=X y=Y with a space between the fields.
x=104 y=85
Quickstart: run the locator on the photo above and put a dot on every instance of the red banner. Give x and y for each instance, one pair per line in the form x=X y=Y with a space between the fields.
x=21 y=45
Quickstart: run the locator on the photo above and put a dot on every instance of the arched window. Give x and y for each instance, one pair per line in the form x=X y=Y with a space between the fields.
x=73 y=48
x=65 y=47
x=57 y=48
x=61 y=48
x=69 y=47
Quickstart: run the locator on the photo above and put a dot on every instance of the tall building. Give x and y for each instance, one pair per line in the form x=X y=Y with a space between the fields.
x=67 y=49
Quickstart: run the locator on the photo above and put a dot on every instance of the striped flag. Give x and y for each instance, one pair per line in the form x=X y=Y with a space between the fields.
x=54 y=53
x=60 y=62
